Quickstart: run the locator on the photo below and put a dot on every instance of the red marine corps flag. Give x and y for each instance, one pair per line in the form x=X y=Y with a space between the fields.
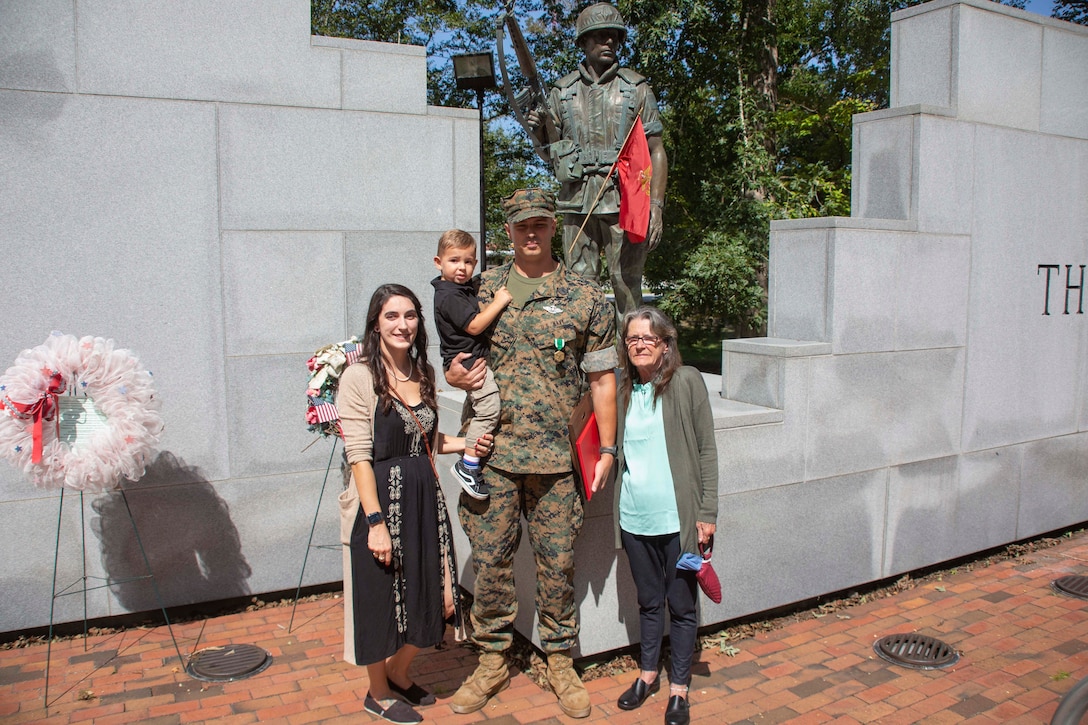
x=635 y=172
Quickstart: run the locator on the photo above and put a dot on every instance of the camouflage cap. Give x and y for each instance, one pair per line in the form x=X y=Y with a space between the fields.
x=528 y=203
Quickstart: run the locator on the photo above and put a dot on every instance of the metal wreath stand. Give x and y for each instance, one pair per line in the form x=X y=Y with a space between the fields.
x=96 y=399
x=326 y=365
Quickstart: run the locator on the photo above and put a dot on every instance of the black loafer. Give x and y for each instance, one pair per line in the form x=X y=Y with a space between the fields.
x=677 y=711
x=413 y=694
x=637 y=693
x=399 y=712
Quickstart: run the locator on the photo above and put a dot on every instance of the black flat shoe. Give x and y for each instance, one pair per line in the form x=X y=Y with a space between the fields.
x=637 y=693
x=399 y=712
x=677 y=711
x=413 y=694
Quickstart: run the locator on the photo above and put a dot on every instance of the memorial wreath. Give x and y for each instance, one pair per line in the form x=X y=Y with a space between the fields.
x=325 y=366
x=78 y=413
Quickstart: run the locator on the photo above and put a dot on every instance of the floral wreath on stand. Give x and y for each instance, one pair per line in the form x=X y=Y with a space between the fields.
x=325 y=368
x=78 y=413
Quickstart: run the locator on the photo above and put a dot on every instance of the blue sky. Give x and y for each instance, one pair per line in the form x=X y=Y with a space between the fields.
x=1040 y=7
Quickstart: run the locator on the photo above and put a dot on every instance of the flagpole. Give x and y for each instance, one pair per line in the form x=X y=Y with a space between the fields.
x=600 y=191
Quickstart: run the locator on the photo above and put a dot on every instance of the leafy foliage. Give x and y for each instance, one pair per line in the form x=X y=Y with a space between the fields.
x=415 y=22
x=757 y=101
x=1075 y=11
x=757 y=98
x=718 y=278
x=509 y=165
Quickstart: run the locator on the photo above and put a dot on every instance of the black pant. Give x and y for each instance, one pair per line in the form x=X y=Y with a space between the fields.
x=657 y=580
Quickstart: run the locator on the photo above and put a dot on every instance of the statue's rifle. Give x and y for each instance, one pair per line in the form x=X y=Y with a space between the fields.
x=534 y=97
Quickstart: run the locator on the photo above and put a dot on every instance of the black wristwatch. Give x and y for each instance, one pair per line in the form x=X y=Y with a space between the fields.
x=607 y=449
x=375 y=518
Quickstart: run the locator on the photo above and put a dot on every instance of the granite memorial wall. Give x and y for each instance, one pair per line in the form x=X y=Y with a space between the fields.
x=220 y=192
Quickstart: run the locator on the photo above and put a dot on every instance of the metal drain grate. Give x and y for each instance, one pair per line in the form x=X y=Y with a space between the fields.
x=1074 y=586
x=916 y=650
x=225 y=664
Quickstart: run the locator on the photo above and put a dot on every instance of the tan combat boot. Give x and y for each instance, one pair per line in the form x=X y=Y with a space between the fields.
x=567 y=686
x=489 y=679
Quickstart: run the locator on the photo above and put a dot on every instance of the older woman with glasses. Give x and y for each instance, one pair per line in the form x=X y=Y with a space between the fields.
x=668 y=499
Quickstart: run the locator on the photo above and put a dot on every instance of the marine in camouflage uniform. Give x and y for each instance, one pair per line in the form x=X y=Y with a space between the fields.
x=593 y=108
x=547 y=349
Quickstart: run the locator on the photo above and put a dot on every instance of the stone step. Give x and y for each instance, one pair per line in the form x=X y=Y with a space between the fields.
x=727 y=413
x=752 y=368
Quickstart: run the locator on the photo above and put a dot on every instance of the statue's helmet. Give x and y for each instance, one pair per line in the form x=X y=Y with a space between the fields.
x=600 y=16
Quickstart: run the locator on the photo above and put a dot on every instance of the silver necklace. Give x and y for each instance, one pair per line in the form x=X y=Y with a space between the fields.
x=411 y=371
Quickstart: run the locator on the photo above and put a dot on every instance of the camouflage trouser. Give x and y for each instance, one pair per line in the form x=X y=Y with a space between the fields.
x=625 y=260
x=553 y=511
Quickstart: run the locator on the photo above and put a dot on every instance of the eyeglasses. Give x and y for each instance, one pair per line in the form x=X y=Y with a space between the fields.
x=647 y=340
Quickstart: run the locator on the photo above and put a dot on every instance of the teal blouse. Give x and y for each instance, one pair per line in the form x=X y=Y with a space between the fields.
x=647 y=496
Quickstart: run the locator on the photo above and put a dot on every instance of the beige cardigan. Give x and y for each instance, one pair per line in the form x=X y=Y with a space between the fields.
x=356 y=402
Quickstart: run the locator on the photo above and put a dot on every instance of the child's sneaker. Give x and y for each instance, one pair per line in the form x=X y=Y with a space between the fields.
x=472 y=480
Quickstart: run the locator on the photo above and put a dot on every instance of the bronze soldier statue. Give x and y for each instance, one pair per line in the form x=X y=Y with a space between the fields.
x=593 y=109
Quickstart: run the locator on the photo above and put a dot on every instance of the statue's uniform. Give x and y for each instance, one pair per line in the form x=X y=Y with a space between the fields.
x=593 y=118
x=540 y=355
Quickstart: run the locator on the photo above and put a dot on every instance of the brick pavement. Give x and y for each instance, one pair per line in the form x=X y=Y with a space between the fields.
x=1022 y=647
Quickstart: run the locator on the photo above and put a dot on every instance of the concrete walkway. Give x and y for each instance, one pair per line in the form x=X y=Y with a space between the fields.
x=1022 y=647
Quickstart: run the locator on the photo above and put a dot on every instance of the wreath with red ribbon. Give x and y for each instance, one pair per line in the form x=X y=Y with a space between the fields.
x=88 y=377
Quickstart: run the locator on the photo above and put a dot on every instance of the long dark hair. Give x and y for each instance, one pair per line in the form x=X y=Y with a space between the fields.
x=372 y=351
x=662 y=326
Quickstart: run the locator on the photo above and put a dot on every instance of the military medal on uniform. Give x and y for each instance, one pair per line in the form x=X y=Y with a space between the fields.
x=559 y=356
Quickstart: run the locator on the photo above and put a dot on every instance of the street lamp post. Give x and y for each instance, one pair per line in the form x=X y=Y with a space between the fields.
x=476 y=71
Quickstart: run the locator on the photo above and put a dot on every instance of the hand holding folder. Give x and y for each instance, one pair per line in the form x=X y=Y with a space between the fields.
x=585 y=442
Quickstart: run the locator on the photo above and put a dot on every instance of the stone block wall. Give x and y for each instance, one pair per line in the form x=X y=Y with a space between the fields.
x=946 y=415
x=220 y=192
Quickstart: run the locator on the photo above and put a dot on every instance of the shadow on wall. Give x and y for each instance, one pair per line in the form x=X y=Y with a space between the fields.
x=186 y=529
x=595 y=569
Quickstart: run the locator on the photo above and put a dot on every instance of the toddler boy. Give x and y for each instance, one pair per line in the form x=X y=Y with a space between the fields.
x=461 y=326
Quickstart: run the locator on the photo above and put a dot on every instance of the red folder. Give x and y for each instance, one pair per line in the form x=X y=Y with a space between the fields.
x=585 y=443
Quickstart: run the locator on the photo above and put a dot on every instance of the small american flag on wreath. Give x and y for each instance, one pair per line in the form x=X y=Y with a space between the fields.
x=325 y=368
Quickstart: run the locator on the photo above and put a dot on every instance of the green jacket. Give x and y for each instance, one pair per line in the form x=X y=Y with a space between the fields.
x=693 y=454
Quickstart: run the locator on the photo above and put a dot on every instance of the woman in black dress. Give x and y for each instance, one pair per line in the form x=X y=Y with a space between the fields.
x=399 y=574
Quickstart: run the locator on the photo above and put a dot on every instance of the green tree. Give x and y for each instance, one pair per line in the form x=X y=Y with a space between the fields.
x=415 y=22
x=1075 y=11
x=757 y=98
x=510 y=165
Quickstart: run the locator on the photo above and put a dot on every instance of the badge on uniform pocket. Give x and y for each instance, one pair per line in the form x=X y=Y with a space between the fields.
x=559 y=356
